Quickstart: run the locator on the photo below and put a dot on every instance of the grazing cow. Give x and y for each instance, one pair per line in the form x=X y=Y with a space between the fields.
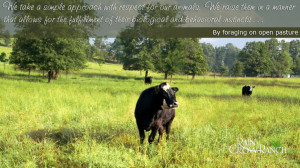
x=247 y=90
x=155 y=110
x=148 y=80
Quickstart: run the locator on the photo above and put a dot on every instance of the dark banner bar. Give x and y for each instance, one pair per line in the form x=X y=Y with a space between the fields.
x=222 y=32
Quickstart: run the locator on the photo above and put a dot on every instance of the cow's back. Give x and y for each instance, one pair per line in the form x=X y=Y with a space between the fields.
x=144 y=102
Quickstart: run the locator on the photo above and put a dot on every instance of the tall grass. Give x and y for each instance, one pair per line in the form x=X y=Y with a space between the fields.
x=87 y=120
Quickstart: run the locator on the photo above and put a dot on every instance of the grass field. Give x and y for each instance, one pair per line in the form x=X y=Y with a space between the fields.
x=6 y=50
x=87 y=120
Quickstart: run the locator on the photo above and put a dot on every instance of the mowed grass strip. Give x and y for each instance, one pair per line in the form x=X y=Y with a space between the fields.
x=87 y=120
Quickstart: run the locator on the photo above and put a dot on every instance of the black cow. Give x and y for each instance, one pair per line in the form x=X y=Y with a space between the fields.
x=247 y=90
x=155 y=110
x=148 y=80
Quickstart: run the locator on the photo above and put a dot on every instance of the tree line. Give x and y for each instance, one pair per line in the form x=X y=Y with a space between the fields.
x=271 y=58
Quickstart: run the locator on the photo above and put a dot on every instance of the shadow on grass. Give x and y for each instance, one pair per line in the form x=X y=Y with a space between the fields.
x=61 y=137
x=120 y=77
x=23 y=77
x=65 y=136
x=102 y=75
x=239 y=82
x=286 y=100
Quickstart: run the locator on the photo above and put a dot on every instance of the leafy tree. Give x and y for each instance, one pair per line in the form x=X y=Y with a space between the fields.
x=280 y=57
x=170 y=60
x=97 y=54
x=296 y=68
x=116 y=50
x=210 y=55
x=43 y=46
x=139 y=48
x=231 y=55
x=294 y=51
x=101 y=51
x=283 y=61
x=194 y=61
x=25 y=53
x=220 y=56
x=224 y=70
x=237 y=68
x=52 y=55
x=256 y=59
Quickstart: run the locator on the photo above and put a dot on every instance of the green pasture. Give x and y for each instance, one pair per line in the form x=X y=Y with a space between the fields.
x=6 y=50
x=86 y=119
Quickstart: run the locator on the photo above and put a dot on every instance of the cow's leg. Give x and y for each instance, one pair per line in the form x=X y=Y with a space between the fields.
x=141 y=132
x=168 y=129
x=160 y=131
x=152 y=135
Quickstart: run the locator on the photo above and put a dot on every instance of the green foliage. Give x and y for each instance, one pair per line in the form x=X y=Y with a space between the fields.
x=193 y=56
x=296 y=68
x=210 y=55
x=231 y=55
x=3 y=57
x=280 y=57
x=224 y=55
x=220 y=56
x=237 y=68
x=49 y=54
x=97 y=54
x=294 y=51
x=88 y=121
x=140 y=51
x=256 y=59
x=116 y=50
x=52 y=47
x=26 y=53
x=224 y=70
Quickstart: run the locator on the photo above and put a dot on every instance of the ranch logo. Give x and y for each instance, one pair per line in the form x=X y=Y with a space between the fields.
x=248 y=146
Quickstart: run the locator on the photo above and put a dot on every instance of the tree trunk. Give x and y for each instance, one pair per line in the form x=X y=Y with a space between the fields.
x=67 y=72
x=50 y=76
x=146 y=74
x=43 y=73
x=56 y=74
x=166 y=75
x=141 y=73
x=29 y=71
x=171 y=80
x=4 y=67
x=215 y=75
x=193 y=76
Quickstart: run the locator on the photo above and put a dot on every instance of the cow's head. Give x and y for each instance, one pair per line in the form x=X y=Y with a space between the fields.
x=167 y=95
x=251 y=88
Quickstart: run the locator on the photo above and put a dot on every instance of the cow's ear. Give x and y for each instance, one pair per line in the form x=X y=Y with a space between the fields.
x=175 y=89
x=164 y=86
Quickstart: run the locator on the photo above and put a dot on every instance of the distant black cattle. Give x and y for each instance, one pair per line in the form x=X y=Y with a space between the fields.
x=155 y=110
x=148 y=80
x=247 y=90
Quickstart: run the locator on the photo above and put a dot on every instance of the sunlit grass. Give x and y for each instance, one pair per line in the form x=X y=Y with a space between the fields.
x=87 y=120
x=6 y=50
